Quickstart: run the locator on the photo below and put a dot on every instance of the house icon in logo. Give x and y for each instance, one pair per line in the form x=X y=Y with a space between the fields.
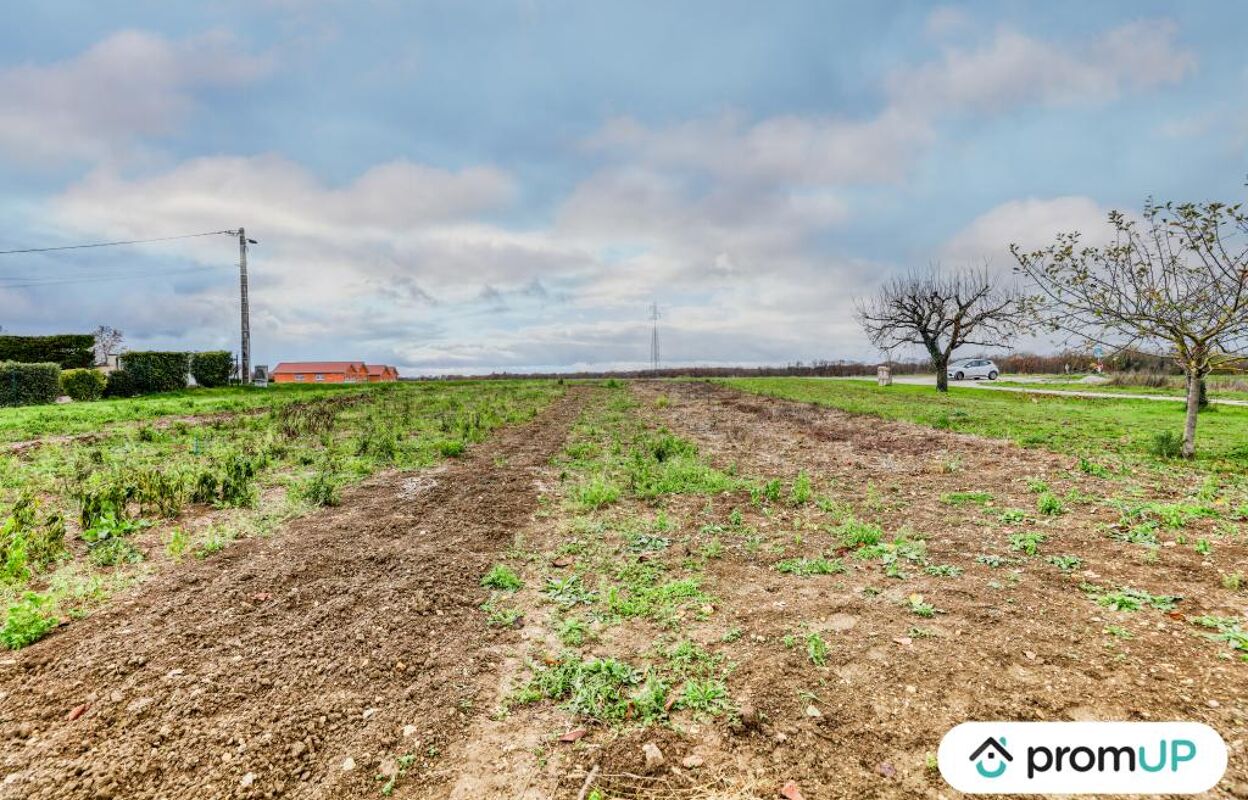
x=991 y=758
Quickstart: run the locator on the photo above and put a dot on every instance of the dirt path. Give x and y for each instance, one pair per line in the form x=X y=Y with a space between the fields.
x=346 y=647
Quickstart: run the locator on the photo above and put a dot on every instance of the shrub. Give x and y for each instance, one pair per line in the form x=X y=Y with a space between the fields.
x=1166 y=444
x=156 y=371
x=83 y=384
x=68 y=350
x=29 y=541
x=322 y=489
x=29 y=384
x=212 y=368
x=28 y=620
x=501 y=577
x=120 y=383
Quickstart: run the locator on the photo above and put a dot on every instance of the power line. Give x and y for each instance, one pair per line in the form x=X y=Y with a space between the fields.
x=113 y=244
x=23 y=282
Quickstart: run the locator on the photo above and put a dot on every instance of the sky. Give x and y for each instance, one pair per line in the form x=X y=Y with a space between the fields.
x=465 y=187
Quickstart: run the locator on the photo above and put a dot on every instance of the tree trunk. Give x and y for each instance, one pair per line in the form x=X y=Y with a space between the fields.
x=1204 y=394
x=1193 y=409
x=942 y=372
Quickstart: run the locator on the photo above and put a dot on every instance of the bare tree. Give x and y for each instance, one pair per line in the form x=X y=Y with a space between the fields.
x=1175 y=281
x=941 y=312
x=107 y=343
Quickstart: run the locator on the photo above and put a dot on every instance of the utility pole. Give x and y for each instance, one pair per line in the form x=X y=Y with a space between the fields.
x=245 y=366
x=654 y=338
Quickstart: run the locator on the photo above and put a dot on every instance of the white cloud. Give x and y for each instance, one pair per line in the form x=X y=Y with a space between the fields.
x=946 y=21
x=1031 y=223
x=1010 y=70
x=1014 y=69
x=128 y=86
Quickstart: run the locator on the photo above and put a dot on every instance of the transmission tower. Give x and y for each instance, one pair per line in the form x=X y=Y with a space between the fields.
x=654 y=337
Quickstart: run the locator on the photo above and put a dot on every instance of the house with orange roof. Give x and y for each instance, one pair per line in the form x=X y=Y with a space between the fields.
x=381 y=373
x=320 y=372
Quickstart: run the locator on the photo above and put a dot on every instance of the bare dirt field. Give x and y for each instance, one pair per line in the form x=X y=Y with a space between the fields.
x=649 y=590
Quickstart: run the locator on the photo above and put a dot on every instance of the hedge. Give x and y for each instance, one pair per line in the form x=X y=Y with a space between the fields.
x=156 y=371
x=29 y=384
x=212 y=368
x=83 y=384
x=69 y=350
x=120 y=384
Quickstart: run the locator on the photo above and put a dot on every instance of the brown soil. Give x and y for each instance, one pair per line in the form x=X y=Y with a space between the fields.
x=258 y=672
x=1032 y=651
x=352 y=634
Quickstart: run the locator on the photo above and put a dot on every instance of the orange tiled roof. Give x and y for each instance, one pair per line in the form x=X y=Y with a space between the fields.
x=287 y=367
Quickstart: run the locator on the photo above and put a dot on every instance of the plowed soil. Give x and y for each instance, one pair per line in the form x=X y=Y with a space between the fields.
x=296 y=666
x=306 y=664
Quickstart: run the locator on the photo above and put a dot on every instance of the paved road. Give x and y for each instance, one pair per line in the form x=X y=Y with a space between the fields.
x=930 y=380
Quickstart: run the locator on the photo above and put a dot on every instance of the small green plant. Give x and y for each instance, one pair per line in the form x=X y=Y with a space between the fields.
x=705 y=697
x=1012 y=515
x=995 y=561
x=177 y=544
x=801 y=492
x=502 y=577
x=943 y=570
x=573 y=632
x=856 y=534
x=502 y=617
x=451 y=448
x=1065 y=563
x=1119 y=632
x=1129 y=599
x=1233 y=581
x=1049 y=504
x=966 y=498
x=595 y=493
x=1203 y=547
x=215 y=540
x=919 y=607
x=568 y=591
x=1166 y=444
x=816 y=649
x=1226 y=629
x=806 y=567
x=1092 y=468
x=1027 y=542
x=322 y=489
x=111 y=552
x=27 y=621
x=1037 y=486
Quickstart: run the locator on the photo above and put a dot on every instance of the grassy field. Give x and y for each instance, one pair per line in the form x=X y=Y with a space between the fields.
x=32 y=422
x=1083 y=426
x=94 y=491
x=1225 y=387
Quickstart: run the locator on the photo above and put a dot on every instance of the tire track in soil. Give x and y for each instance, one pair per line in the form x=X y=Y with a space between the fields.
x=260 y=671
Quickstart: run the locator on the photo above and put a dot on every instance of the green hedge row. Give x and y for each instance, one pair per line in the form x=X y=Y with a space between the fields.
x=69 y=350
x=212 y=368
x=155 y=370
x=83 y=384
x=29 y=384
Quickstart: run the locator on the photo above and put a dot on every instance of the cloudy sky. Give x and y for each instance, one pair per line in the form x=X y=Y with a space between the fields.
x=468 y=186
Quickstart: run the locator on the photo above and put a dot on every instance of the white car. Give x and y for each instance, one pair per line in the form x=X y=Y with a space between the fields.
x=974 y=368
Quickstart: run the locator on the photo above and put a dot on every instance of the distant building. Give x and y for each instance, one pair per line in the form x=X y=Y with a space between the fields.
x=382 y=373
x=332 y=372
x=320 y=372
